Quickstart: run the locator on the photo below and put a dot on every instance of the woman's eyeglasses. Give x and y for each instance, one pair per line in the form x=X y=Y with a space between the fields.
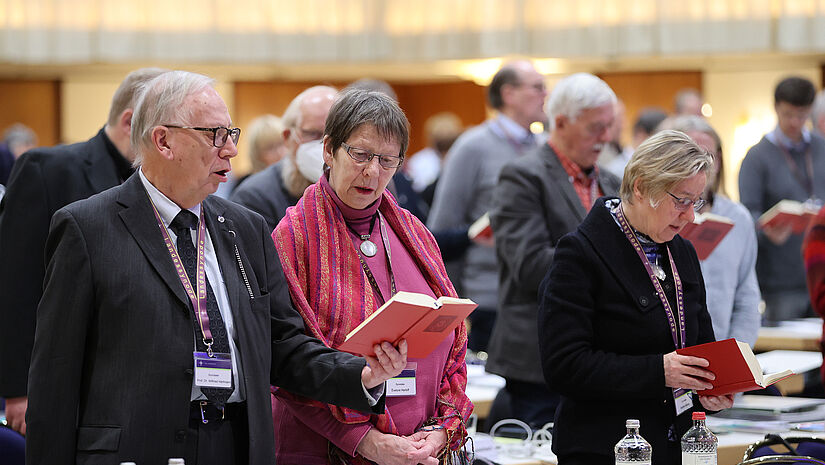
x=683 y=203
x=363 y=156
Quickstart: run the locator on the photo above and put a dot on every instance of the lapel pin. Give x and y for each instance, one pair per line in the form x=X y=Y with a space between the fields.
x=220 y=219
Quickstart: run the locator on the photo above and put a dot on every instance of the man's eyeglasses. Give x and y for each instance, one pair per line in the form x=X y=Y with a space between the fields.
x=538 y=87
x=307 y=135
x=363 y=156
x=683 y=203
x=219 y=134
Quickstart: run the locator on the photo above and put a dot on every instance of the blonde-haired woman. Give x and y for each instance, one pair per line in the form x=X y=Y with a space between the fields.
x=623 y=293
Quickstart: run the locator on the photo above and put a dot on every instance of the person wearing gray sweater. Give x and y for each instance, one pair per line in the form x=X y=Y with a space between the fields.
x=471 y=169
x=788 y=163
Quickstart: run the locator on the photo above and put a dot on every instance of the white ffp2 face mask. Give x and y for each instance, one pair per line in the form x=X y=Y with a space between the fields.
x=310 y=160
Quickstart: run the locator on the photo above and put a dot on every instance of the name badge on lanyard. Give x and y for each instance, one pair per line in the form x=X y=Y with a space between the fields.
x=213 y=371
x=403 y=385
x=683 y=399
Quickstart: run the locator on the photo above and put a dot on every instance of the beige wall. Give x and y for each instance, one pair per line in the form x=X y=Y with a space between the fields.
x=743 y=111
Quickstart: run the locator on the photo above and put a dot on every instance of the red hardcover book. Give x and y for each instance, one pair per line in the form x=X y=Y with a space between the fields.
x=734 y=365
x=788 y=212
x=481 y=228
x=423 y=321
x=706 y=232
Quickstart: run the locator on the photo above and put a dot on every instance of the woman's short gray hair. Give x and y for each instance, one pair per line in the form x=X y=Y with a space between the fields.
x=662 y=161
x=162 y=103
x=353 y=108
x=576 y=93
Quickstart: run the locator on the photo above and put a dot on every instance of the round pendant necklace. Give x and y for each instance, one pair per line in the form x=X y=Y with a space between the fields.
x=368 y=247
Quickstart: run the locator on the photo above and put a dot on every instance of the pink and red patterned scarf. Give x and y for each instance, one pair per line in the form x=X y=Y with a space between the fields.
x=330 y=291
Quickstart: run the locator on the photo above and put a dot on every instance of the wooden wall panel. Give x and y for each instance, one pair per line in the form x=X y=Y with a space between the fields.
x=640 y=90
x=419 y=101
x=34 y=103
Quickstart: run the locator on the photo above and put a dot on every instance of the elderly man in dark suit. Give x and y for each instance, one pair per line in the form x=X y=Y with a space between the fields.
x=42 y=181
x=165 y=314
x=540 y=198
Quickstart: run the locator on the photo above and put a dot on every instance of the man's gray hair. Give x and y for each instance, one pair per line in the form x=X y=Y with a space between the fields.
x=162 y=103
x=662 y=161
x=18 y=134
x=354 y=108
x=575 y=93
x=129 y=91
x=818 y=109
x=292 y=114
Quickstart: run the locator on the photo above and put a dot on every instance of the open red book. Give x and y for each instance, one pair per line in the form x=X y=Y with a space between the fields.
x=706 y=232
x=788 y=212
x=481 y=227
x=734 y=365
x=423 y=321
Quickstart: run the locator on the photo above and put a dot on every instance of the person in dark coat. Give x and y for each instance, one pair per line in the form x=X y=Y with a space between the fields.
x=623 y=293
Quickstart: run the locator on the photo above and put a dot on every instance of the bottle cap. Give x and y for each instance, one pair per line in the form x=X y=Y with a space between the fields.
x=632 y=423
x=698 y=415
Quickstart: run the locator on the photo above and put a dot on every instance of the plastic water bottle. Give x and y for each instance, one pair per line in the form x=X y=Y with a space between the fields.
x=699 y=443
x=633 y=449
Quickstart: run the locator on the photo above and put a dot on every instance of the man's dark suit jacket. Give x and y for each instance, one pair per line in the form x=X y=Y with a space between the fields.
x=264 y=193
x=603 y=333
x=111 y=373
x=534 y=205
x=43 y=180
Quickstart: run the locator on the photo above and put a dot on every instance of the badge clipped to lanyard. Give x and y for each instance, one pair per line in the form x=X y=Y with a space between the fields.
x=212 y=369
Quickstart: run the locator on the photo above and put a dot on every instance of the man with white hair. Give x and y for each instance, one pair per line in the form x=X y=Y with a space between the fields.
x=271 y=191
x=539 y=198
x=464 y=192
x=165 y=315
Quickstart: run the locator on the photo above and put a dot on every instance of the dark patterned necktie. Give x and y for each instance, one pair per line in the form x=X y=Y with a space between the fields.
x=181 y=226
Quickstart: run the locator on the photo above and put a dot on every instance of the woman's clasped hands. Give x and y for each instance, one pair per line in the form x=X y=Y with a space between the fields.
x=421 y=447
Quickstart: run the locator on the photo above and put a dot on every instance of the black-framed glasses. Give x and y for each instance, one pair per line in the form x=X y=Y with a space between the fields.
x=387 y=162
x=683 y=203
x=219 y=134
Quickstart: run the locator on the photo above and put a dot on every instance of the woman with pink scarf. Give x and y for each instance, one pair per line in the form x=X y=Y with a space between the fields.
x=346 y=248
